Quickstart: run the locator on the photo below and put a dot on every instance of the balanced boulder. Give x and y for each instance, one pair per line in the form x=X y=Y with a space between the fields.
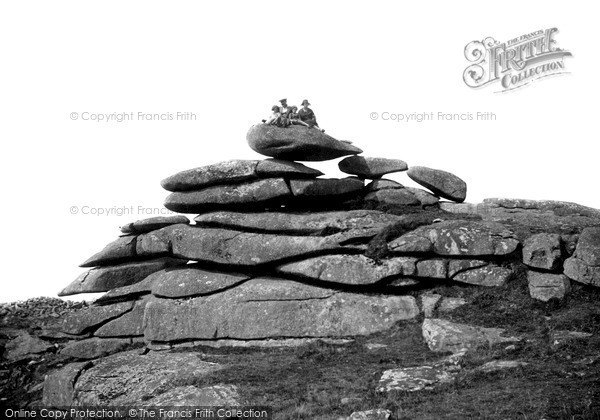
x=297 y=143
x=439 y=182
x=371 y=168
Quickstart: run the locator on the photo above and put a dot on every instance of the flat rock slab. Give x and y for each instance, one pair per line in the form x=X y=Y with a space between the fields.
x=246 y=195
x=543 y=250
x=584 y=265
x=82 y=320
x=236 y=171
x=546 y=286
x=370 y=221
x=270 y=168
x=153 y=223
x=118 y=251
x=103 y=279
x=441 y=183
x=228 y=172
x=415 y=378
x=349 y=269
x=128 y=378
x=131 y=292
x=59 y=385
x=369 y=167
x=193 y=281
x=442 y=335
x=95 y=347
x=297 y=143
x=235 y=248
x=273 y=308
x=325 y=188
x=458 y=237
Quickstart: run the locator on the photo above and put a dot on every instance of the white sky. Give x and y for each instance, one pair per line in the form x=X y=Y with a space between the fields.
x=229 y=62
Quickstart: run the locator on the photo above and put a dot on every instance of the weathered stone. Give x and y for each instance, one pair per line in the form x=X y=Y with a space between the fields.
x=458 y=266
x=153 y=223
x=244 y=248
x=584 y=265
x=193 y=281
x=103 y=279
x=118 y=251
x=249 y=195
x=543 y=251
x=579 y=271
x=376 y=414
x=458 y=237
x=192 y=396
x=325 y=188
x=434 y=268
x=368 y=167
x=82 y=320
x=393 y=197
x=95 y=347
x=441 y=183
x=371 y=221
x=442 y=335
x=59 y=385
x=546 y=286
x=349 y=269
x=382 y=184
x=449 y=304
x=23 y=346
x=267 y=308
x=414 y=378
x=490 y=275
x=127 y=378
x=129 y=324
x=271 y=168
x=425 y=197
x=133 y=291
x=428 y=303
x=297 y=143
x=227 y=172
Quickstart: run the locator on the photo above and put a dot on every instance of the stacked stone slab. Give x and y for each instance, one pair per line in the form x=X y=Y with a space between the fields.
x=276 y=252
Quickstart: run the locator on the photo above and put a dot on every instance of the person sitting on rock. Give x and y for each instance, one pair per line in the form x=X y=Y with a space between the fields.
x=276 y=118
x=285 y=109
x=308 y=116
x=295 y=118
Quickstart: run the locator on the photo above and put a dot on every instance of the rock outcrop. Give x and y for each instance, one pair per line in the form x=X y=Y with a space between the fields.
x=275 y=252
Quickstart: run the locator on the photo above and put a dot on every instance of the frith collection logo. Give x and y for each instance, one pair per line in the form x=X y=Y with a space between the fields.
x=514 y=63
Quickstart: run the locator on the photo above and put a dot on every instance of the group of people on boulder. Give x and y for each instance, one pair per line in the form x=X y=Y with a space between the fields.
x=286 y=115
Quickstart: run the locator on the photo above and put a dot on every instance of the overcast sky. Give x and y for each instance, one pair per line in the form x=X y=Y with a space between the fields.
x=228 y=63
